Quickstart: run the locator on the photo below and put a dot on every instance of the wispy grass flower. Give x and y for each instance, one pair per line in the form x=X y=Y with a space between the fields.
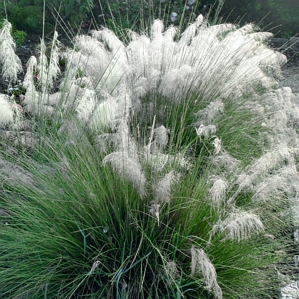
x=201 y=263
x=7 y=114
x=217 y=192
x=239 y=225
x=11 y=64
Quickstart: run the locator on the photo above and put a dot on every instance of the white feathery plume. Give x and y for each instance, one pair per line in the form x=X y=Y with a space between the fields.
x=162 y=190
x=225 y=162
x=283 y=184
x=171 y=270
x=190 y=31
x=78 y=61
x=217 y=146
x=159 y=161
x=70 y=77
x=125 y=159
x=261 y=168
x=111 y=109
x=239 y=225
x=54 y=99
x=109 y=38
x=278 y=120
x=205 y=131
x=217 y=192
x=123 y=98
x=115 y=73
x=89 y=45
x=117 y=68
x=157 y=29
x=95 y=59
x=31 y=69
x=138 y=56
x=104 y=115
x=211 y=112
x=265 y=192
x=154 y=209
x=54 y=69
x=105 y=141
x=168 y=42
x=70 y=95
x=31 y=97
x=161 y=138
x=6 y=114
x=122 y=141
x=86 y=105
x=269 y=161
x=42 y=64
x=156 y=46
x=201 y=264
x=11 y=64
x=128 y=168
x=175 y=82
x=244 y=182
x=220 y=61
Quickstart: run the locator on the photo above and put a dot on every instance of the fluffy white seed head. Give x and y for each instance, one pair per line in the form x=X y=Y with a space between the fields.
x=202 y=265
x=283 y=184
x=86 y=105
x=6 y=111
x=11 y=64
x=211 y=112
x=239 y=225
x=217 y=192
x=128 y=168
x=104 y=115
x=31 y=68
x=109 y=38
x=159 y=161
x=171 y=270
x=54 y=69
x=270 y=160
x=205 y=131
x=42 y=64
x=217 y=145
x=162 y=190
x=161 y=138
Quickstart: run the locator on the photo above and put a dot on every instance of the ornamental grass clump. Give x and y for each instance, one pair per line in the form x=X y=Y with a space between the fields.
x=148 y=173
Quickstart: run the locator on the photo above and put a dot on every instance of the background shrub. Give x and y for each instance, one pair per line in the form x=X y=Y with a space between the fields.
x=277 y=16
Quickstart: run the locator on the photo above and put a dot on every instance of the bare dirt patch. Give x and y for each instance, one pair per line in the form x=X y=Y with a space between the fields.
x=291 y=76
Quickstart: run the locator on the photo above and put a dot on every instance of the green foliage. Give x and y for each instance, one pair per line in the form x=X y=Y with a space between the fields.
x=28 y=14
x=24 y=16
x=277 y=16
x=80 y=230
x=18 y=35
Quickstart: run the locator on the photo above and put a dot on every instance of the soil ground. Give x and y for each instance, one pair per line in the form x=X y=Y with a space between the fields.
x=291 y=75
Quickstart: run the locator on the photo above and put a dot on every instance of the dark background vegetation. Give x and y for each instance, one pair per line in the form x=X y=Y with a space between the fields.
x=277 y=16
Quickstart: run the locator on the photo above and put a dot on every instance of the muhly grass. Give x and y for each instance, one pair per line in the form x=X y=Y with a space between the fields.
x=161 y=168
